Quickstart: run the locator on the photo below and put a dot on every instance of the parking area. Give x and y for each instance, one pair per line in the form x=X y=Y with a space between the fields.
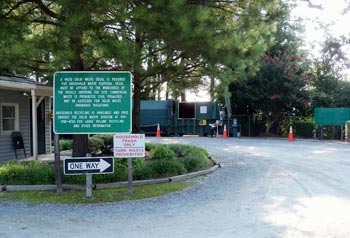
x=265 y=188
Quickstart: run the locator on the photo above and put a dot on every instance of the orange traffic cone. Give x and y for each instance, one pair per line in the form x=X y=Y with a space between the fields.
x=158 y=131
x=224 y=135
x=291 y=136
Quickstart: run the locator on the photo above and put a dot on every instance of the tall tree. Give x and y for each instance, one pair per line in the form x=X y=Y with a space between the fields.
x=178 y=39
x=60 y=35
x=329 y=87
x=279 y=87
x=186 y=39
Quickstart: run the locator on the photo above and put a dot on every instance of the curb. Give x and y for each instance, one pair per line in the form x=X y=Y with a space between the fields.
x=23 y=188
x=19 y=188
x=125 y=184
x=193 y=175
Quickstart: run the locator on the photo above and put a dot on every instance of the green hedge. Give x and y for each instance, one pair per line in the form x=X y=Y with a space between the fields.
x=160 y=168
x=166 y=160
x=304 y=128
x=96 y=144
x=101 y=143
x=105 y=144
x=162 y=152
x=28 y=172
x=66 y=145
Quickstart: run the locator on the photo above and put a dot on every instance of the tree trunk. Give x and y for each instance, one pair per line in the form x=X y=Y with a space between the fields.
x=269 y=124
x=80 y=145
x=137 y=83
x=166 y=91
x=212 y=90
x=80 y=141
x=137 y=104
x=183 y=96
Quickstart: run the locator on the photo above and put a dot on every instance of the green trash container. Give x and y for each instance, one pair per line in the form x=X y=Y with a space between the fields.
x=235 y=127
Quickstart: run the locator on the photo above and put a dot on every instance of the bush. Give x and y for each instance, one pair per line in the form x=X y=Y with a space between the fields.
x=29 y=173
x=143 y=173
x=66 y=144
x=186 y=150
x=193 y=164
x=329 y=132
x=150 y=146
x=180 y=150
x=165 y=165
x=162 y=152
x=304 y=128
x=347 y=131
x=107 y=147
x=120 y=174
x=165 y=168
x=95 y=144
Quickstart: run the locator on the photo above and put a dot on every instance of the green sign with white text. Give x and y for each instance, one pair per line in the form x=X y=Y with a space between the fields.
x=328 y=116
x=92 y=102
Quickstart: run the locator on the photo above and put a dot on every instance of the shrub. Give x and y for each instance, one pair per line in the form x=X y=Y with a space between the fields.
x=26 y=173
x=180 y=150
x=328 y=132
x=162 y=152
x=120 y=171
x=74 y=179
x=95 y=144
x=165 y=168
x=150 y=146
x=186 y=150
x=165 y=165
x=120 y=174
x=198 y=152
x=347 y=131
x=142 y=173
x=304 y=128
x=107 y=143
x=193 y=164
x=66 y=144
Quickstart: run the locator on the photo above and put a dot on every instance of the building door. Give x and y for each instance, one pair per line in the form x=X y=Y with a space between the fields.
x=41 y=128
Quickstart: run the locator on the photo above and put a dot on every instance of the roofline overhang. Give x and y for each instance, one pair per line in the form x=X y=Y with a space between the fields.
x=41 y=90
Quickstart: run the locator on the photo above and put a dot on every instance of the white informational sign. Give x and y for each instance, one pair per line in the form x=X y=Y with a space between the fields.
x=129 y=145
x=203 y=109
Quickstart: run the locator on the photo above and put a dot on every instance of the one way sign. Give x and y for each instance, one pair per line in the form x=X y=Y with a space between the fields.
x=86 y=165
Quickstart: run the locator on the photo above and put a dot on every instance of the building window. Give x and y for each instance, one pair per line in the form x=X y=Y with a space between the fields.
x=9 y=118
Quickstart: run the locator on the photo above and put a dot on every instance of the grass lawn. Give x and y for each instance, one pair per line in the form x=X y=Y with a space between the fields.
x=98 y=196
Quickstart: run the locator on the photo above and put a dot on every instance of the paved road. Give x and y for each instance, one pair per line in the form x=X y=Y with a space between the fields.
x=265 y=189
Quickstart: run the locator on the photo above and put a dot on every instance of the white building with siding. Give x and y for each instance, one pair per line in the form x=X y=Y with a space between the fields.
x=25 y=106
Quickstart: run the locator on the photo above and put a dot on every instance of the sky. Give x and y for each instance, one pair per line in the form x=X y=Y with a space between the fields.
x=331 y=16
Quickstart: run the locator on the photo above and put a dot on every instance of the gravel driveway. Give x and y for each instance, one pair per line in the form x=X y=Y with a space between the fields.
x=265 y=188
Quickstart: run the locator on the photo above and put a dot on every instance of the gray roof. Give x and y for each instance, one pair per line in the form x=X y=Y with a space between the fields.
x=17 y=79
x=24 y=84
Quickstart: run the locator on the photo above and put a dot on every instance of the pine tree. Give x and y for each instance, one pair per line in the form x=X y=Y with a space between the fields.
x=178 y=40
